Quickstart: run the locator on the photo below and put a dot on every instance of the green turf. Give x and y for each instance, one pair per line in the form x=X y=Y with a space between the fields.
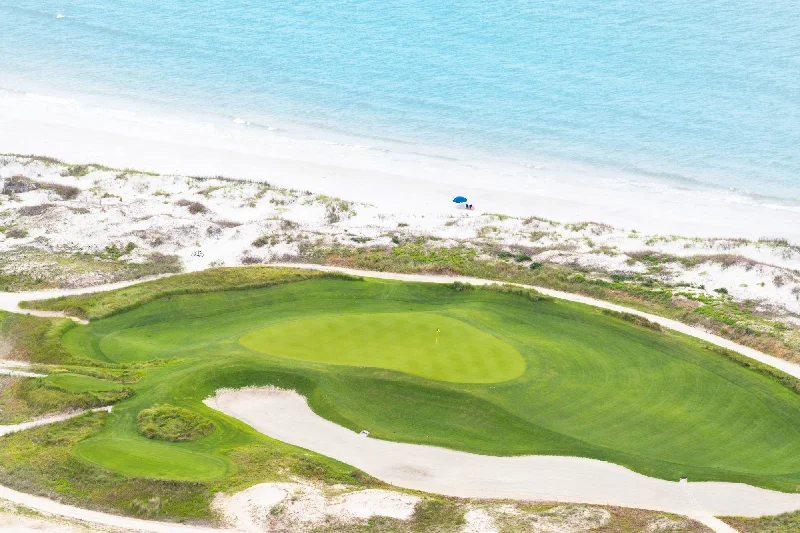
x=147 y=458
x=78 y=383
x=424 y=344
x=592 y=385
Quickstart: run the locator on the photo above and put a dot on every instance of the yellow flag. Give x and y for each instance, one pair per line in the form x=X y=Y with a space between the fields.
x=437 y=335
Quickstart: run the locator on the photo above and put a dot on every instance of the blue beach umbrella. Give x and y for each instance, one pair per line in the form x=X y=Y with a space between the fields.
x=459 y=199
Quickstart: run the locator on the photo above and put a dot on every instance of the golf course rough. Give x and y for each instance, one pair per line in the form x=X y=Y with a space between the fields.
x=424 y=344
x=588 y=384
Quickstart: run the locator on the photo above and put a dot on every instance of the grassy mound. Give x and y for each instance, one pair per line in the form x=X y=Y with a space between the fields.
x=174 y=424
x=589 y=384
x=407 y=342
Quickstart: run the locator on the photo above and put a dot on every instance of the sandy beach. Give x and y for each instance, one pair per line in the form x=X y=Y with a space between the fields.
x=405 y=179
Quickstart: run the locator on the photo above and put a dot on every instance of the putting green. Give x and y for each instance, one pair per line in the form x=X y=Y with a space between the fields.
x=406 y=342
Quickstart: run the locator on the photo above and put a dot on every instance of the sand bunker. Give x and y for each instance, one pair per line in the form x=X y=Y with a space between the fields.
x=285 y=415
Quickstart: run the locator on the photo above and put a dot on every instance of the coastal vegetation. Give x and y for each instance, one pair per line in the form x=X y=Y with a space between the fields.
x=591 y=384
x=734 y=319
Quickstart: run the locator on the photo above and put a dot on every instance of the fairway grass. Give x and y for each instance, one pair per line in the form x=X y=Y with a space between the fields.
x=424 y=344
x=510 y=376
x=78 y=383
x=146 y=458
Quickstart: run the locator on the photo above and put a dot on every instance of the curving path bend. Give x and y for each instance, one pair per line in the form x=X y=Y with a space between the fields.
x=286 y=416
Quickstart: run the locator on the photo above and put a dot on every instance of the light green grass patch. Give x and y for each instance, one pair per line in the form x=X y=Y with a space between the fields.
x=406 y=342
x=140 y=457
x=78 y=383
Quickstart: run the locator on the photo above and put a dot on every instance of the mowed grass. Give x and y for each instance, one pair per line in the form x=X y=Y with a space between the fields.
x=78 y=383
x=592 y=385
x=424 y=344
x=147 y=458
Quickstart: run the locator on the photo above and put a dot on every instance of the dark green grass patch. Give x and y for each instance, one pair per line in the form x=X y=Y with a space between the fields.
x=174 y=424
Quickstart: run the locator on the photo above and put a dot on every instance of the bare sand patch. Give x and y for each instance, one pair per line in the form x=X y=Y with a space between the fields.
x=300 y=506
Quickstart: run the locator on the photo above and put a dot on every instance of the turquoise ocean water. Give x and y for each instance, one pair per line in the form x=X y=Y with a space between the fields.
x=695 y=94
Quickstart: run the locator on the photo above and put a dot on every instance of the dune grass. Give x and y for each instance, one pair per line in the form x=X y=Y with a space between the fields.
x=174 y=424
x=593 y=385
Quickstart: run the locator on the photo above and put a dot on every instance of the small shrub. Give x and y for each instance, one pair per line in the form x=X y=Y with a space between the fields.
x=332 y=214
x=265 y=240
x=437 y=515
x=402 y=225
x=227 y=223
x=16 y=233
x=194 y=207
x=288 y=225
x=531 y=294
x=76 y=171
x=34 y=210
x=66 y=192
x=536 y=266
x=251 y=260
x=395 y=239
x=19 y=184
x=460 y=286
x=634 y=319
x=721 y=290
x=521 y=258
x=174 y=424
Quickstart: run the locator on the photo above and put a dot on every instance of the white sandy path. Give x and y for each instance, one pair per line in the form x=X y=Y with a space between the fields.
x=785 y=366
x=21 y=373
x=45 y=505
x=49 y=419
x=9 y=301
x=285 y=415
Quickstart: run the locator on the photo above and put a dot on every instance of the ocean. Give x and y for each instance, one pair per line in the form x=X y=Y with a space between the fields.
x=688 y=95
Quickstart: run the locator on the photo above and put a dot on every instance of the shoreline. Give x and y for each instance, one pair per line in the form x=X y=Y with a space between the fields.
x=415 y=183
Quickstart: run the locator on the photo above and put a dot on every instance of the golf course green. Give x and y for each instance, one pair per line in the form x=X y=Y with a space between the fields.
x=424 y=344
x=507 y=376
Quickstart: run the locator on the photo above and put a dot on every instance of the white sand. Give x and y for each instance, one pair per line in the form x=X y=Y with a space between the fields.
x=298 y=506
x=399 y=176
x=285 y=415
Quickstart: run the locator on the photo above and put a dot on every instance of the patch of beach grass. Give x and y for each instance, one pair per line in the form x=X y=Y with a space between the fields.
x=174 y=424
